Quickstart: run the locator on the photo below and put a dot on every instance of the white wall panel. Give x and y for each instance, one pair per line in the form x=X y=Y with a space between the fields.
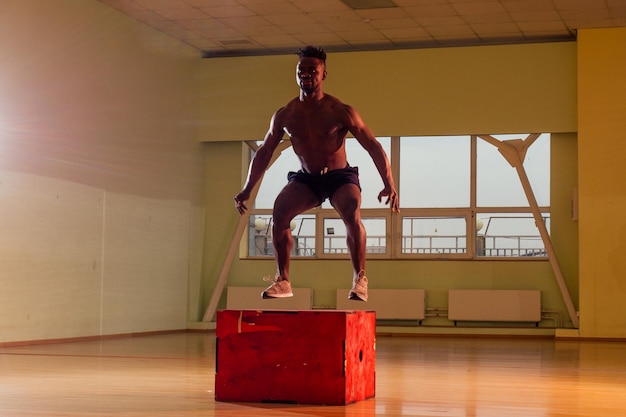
x=146 y=264
x=50 y=250
x=76 y=261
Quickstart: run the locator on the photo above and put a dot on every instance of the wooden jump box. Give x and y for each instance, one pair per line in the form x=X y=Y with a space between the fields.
x=303 y=357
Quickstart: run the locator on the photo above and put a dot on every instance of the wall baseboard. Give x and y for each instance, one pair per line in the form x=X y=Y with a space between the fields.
x=89 y=338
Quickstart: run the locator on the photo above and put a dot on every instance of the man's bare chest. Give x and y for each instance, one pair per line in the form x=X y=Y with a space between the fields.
x=314 y=125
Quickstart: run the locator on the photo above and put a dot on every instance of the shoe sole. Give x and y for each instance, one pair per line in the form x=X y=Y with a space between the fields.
x=266 y=296
x=353 y=296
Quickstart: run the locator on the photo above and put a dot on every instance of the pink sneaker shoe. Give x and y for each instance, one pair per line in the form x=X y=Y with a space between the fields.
x=359 y=288
x=280 y=288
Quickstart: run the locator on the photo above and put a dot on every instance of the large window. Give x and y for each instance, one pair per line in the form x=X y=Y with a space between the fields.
x=460 y=197
x=435 y=171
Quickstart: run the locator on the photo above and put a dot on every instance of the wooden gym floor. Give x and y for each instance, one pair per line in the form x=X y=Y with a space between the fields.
x=173 y=375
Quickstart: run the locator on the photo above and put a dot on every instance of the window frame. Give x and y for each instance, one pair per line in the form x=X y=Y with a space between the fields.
x=394 y=221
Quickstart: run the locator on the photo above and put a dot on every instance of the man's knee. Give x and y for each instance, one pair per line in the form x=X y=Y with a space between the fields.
x=349 y=210
x=280 y=221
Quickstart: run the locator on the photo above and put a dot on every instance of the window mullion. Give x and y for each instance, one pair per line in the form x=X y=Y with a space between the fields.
x=472 y=233
x=394 y=229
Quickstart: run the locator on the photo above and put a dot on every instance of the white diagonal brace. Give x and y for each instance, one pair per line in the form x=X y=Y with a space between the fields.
x=236 y=239
x=514 y=151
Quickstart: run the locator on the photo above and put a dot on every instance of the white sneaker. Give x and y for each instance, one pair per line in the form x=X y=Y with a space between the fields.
x=280 y=288
x=359 y=288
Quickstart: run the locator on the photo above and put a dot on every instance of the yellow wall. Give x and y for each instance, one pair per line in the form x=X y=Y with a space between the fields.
x=101 y=173
x=503 y=89
x=563 y=227
x=521 y=88
x=602 y=181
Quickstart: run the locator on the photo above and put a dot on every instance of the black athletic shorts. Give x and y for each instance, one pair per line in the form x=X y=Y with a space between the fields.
x=325 y=185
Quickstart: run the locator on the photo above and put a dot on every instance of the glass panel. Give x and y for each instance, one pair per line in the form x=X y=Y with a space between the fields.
x=509 y=235
x=435 y=171
x=302 y=231
x=371 y=184
x=275 y=178
x=498 y=184
x=335 y=235
x=434 y=235
x=260 y=235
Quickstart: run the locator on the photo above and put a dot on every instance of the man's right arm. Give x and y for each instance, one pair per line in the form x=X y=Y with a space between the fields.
x=260 y=162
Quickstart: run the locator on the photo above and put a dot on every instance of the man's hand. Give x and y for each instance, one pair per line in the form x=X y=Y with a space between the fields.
x=392 y=198
x=239 y=202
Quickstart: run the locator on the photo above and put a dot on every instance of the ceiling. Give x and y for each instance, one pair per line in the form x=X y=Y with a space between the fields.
x=219 y=28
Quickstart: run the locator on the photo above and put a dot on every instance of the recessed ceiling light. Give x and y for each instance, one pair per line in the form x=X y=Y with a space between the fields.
x=234 y=42
x=369 y=4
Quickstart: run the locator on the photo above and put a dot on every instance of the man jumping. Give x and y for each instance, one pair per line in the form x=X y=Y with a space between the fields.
x=317 y=125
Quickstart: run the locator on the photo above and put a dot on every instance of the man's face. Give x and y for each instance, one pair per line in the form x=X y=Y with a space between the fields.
x=310 y=74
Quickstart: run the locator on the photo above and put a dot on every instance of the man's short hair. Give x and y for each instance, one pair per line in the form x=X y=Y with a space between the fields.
x=311 y=51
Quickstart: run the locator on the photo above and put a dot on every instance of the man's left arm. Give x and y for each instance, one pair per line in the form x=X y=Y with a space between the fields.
x=366 y=138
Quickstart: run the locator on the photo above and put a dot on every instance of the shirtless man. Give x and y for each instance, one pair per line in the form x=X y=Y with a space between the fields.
x=317 y=124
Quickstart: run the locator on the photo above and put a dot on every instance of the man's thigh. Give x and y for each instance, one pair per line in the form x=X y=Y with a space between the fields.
x=347 y=200
x=294 y=199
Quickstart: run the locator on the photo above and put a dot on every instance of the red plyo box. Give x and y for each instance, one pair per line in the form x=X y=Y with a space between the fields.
x=303 y=357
